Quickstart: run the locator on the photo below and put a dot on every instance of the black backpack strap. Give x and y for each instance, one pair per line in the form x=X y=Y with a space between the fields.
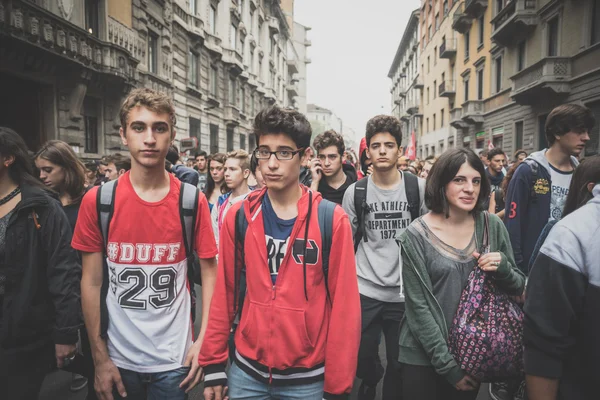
x=105 y=207
x=413 y=196
x=360 y=207
x=325 y=212
x=239 y=293
x=188 y=214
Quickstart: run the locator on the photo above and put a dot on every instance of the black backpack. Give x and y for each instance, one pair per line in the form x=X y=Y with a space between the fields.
x=325 y=212
x=188 y=211
x=360 y=203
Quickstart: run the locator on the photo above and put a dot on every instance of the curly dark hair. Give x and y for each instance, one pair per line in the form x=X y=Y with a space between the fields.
x=330 y=138
x=496 y=151
x=383 y=124
x=274 y=120
x=568 y=118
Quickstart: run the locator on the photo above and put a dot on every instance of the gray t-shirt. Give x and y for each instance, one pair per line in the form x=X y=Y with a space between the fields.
x=202 y=176
x=560 y=189
x=449 y=268
x=378 y=259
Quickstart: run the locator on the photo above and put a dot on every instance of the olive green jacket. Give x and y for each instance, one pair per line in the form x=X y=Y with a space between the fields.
x=423 y=331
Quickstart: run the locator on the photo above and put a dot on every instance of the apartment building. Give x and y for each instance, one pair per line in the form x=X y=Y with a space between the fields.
x=543 y=53
x=406 y=80
x=70 y=64
x=322 y=119
x=438 y=69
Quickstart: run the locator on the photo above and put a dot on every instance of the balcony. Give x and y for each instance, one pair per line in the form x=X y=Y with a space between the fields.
x=273 y=24
x=293 y=66
x=472 y=112
x=412 y=107
x=418 y=83
x=547 y=79
x=475 y=7
x=252 y=80
x=405 y=116
x=462 y=21
x=213 y=43
x=448 y=49
x=292 y=89
x=397 y=102
x=456 y=119
x=234 y=59
x=447 y=89
x=515 y=21
x=307 y=42
x=231 y=115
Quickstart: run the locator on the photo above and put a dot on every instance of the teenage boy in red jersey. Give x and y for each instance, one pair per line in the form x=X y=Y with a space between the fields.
x=294 y=340
x=146 y=348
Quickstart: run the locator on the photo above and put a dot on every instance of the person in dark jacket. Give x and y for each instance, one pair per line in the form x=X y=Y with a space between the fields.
x=330 y=175
x=181 y=172
x=539 y=188
x=40 y=311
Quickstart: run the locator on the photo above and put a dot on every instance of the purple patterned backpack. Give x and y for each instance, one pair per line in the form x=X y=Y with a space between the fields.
x=486 y=336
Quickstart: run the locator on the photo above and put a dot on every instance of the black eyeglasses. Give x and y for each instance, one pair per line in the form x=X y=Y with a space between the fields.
x=265 y=154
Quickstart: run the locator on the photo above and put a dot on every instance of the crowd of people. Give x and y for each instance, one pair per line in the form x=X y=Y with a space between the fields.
x=309 y=256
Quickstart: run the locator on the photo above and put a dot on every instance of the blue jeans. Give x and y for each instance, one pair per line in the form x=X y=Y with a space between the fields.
x=244 y=387
x=153 y=386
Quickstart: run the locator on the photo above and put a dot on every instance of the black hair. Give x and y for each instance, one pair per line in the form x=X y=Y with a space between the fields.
x=330 y=138
x=201 y=153
x=444 y=170
x=383 y=124
x=496 y=151
x=21 y=170
x=274 y=120
x=173 y=155
x=568 y=118
x=253 y=163
x=588 y=171
x=519 y=152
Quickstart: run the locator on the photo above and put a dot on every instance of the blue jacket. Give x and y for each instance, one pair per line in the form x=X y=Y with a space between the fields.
x=185 y=174
x=528 y=206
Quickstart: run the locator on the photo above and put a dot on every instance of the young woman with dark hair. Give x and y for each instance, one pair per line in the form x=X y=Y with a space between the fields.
x=40 y=313
x=215 y=181
x=498 y=196
x=439 y=251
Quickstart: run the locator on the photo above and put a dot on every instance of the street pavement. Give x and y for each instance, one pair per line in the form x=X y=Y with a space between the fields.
x=56 y=385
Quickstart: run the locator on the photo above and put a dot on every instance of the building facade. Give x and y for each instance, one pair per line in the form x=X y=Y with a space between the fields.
x=407 y=82
x=543 y=53
x=70 y=64
x=322 y=119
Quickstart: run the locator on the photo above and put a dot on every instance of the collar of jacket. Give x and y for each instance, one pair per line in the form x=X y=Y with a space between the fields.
x=32 y=196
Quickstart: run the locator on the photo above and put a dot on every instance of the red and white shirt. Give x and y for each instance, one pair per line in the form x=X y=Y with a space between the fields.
x=150 y=328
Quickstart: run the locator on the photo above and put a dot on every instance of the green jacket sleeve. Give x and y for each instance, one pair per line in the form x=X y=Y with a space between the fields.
x=423 y=325
x=508 y=277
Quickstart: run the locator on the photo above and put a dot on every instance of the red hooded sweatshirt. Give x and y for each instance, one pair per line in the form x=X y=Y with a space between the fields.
x=289 y=333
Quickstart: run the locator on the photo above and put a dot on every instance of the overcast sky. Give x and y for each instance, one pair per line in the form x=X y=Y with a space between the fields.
x=353 y=46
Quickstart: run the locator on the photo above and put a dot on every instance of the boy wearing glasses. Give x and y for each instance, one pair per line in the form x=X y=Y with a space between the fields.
x=330 y=175
x=299 y=329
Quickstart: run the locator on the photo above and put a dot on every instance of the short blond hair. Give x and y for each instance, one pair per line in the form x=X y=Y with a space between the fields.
x=242 y=156
x=153 y=100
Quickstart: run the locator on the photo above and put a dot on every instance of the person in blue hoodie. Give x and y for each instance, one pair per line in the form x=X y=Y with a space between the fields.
x=537 y=193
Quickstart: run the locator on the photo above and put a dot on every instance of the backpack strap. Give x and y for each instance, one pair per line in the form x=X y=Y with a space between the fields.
x=239 y=292
x=105 y=207
x=325 y=212
x=360 y=207
x=413 y=196
x=188 y=212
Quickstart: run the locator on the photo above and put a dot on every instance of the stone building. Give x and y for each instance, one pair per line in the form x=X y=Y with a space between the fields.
x=68 y=65
x=407 y=82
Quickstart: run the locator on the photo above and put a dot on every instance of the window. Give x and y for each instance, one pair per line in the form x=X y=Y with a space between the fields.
x=429 y=32
x=193 y=6
x=428 y=65
x=434 y=89
x=480 y=84
x=252 y=141
x=195 y=129
x=251 y=61
x=596 y=22
x=243 y=100
x=214 y=138
x=519 y=135
x=434 y=55
x=90 y=124
x=437 y=21
x=552 y=28
x=232 y=36
x=229 y=138
x=91 y=16
x=466 y=89
x=427 y=95
x=442 y=118
x=242 y=8
x=498 y=74
x=434 y=122
x=252 y=105
x=521 y=56
x=152 y=52
x=242 y=47
x=212 y=19
x=260 y=68
x=272 y=46
x=499 y=5
x=232 y=91
x=427 y=124
x=214 y=80
x=467 y=44
x=481 y=31
x=242 y=141
x=445 y=8
x=194 y=61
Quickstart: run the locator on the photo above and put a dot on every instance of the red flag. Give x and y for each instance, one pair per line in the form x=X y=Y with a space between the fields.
x=490 y=145
x=411 y=150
